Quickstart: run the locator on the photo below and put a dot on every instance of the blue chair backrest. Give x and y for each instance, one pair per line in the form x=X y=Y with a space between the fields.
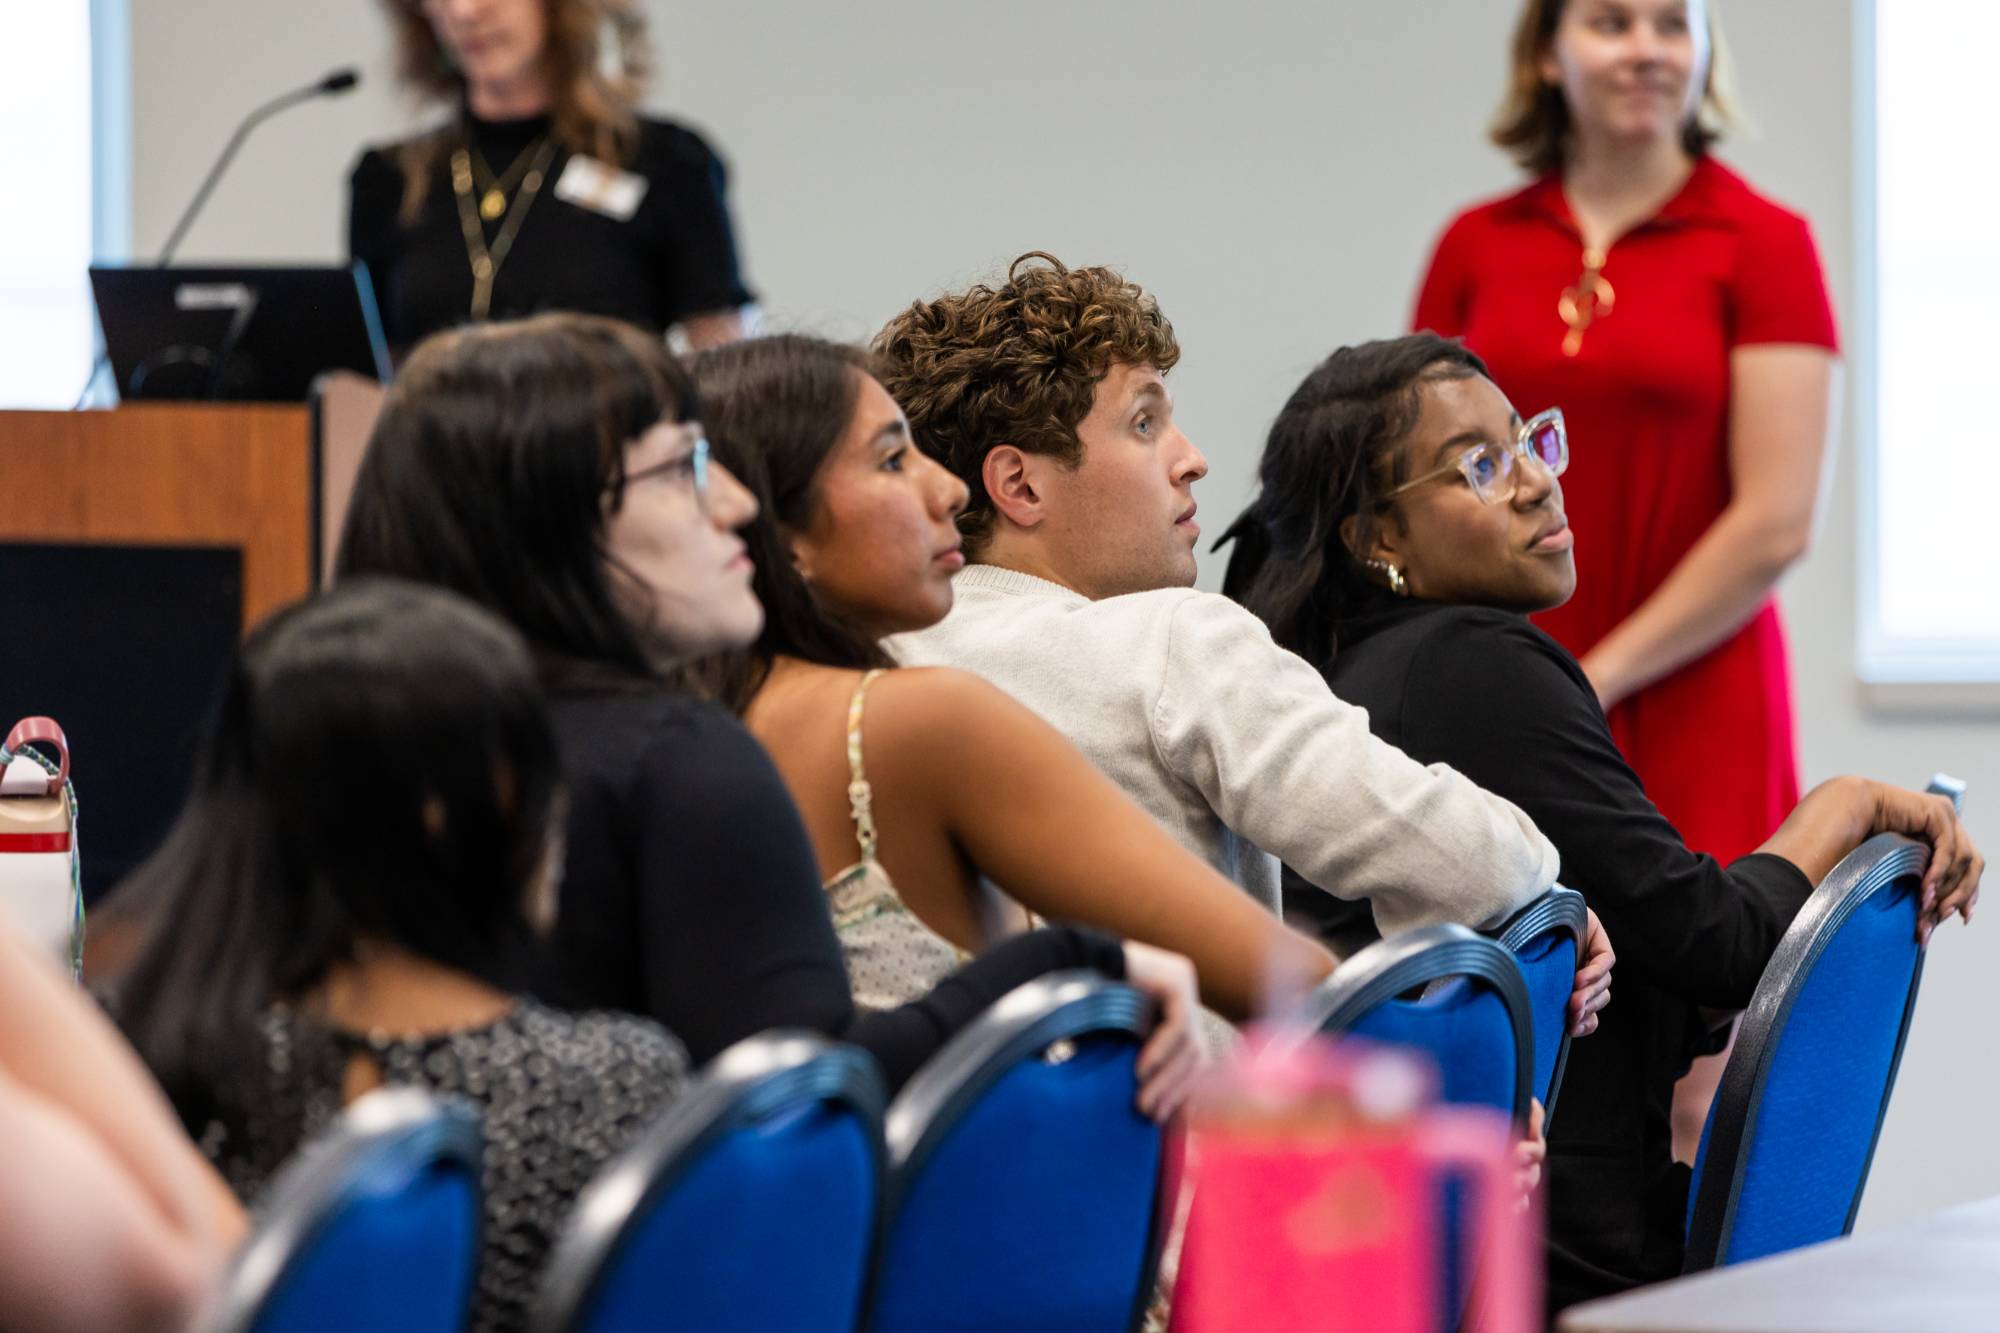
x=1790 y=1136
x=1025 y=1188
x=1472 y=1018
x=1546 y=939
x=751 y=1204
x=373 y=1226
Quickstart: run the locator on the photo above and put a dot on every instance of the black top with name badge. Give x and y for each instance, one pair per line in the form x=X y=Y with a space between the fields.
x=514 y=225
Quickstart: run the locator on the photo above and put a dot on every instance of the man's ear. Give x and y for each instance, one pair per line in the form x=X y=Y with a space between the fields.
x=1010 y=477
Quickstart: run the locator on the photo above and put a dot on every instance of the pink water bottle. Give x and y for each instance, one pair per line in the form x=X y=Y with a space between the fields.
x=1315 y=1174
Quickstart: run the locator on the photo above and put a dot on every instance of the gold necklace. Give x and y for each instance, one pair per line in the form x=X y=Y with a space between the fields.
x=1590 y=297
x=486 y=262
x=493 y=190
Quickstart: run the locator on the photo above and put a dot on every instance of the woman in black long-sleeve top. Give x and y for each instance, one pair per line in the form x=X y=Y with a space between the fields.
x=1406 y=524
x=552 y=471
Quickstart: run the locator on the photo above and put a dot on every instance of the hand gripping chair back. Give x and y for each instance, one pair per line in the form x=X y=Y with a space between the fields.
x=1785 y=1153
x=372 y=1227
x=1546 y=938
x=1025 y=1189
x=750 y=1205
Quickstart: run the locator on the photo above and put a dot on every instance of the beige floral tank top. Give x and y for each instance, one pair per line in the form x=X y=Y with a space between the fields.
x=892 y=957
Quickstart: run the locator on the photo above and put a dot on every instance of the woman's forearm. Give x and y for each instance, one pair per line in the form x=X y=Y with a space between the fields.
x=89 y=1249
x=1781 y=424
x=63 y=1050
x=1832 y=820
x=1721 y=582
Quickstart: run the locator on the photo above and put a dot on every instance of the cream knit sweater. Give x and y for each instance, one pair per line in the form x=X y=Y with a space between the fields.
x=1239 y=748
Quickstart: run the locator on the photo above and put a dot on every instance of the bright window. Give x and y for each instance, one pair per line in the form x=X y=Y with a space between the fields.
x=47 y=329
x=1929 y=430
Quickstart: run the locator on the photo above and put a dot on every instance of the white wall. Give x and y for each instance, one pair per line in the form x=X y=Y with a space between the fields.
x=1274 y=171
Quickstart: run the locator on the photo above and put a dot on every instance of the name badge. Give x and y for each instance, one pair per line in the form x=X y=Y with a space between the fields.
x=601 y=188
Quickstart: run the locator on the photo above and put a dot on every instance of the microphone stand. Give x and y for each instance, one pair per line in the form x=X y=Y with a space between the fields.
x=229 y=150
x=337 y=82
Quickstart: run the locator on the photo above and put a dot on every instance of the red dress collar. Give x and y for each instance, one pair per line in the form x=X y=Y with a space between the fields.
x=1698 y=199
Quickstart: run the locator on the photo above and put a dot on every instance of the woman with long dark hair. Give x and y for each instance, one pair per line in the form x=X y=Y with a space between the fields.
x=935 y=803
x=556 y=472
x=373 y=818
x=1406 y=525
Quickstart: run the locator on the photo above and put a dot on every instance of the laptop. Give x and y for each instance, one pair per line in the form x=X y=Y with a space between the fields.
x=245 y=334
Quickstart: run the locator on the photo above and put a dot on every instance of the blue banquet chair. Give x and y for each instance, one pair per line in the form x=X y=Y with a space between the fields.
x=1546 y=938
x=372 y=1227
x=1785 y=1153
x=751 y=1204
x=1025 y=1187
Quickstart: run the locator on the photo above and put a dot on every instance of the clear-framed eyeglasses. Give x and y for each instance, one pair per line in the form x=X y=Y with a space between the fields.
x=1492 y=469
x=693 y=466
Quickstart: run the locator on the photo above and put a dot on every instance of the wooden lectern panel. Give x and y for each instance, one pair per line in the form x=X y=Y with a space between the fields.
x=172 y=475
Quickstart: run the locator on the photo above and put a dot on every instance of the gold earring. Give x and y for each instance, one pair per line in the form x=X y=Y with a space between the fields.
x=1397 y=583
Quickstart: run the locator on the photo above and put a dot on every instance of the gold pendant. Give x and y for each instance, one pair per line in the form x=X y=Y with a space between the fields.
x=492 y=205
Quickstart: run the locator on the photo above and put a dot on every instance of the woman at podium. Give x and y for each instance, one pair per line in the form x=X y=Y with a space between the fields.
x=545 y=189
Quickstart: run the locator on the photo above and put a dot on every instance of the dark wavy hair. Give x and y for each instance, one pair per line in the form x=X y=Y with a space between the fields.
x=1330 y=456
x=774 y=408
x=1015 y=364
x=596 y=102
x=488 y=473
x=381 y=766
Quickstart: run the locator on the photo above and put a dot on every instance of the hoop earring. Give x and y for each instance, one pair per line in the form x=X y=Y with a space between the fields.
x=1397 y=583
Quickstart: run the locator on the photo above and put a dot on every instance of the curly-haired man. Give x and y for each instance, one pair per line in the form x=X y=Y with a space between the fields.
x=1046 y=394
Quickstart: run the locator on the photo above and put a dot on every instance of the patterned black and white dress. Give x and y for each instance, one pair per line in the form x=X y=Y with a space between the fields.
x=558 y=1095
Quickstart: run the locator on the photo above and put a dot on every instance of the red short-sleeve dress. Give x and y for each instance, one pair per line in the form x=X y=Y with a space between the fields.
x=1646 y=395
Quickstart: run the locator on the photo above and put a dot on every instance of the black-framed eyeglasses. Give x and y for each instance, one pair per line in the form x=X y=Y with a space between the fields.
x=694 y=466
x=1490 y=468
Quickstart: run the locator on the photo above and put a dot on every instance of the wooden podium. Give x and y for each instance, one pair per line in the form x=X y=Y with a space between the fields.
x=137 y=544
x=268 y=480
x=170 y=475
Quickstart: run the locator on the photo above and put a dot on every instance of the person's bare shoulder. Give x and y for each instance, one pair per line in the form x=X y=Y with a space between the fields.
x=925 y=699
x=934 y=721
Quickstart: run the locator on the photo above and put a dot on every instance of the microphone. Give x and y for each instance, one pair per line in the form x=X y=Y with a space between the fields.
x=339 y=81
x=331 y=85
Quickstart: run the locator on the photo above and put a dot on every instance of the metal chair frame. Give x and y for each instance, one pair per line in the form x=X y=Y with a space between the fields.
x=1416 y=958
x=752 y=1080
x=1558 y=909
x=1061 y=1006
x=1874 y=867
x=397 y=1128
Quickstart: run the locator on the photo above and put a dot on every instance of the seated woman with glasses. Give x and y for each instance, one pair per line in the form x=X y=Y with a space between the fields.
x=928 y=793
x=1407 y=524
x=554 y=471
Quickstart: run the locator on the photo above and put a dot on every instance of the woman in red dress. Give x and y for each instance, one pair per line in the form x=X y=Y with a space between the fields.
x=1680 y=320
